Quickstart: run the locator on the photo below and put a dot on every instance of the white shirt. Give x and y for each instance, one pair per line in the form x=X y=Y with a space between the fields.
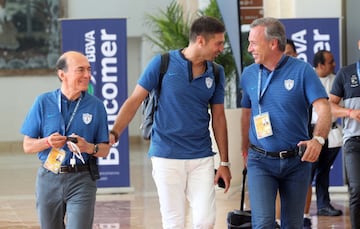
x=327 y=82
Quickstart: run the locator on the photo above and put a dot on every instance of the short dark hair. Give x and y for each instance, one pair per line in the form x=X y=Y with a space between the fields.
x=291 y=43
x=205 y=26
x=319 y=57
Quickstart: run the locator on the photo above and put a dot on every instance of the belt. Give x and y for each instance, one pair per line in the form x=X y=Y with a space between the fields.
x=75 y=169
x=355 y=138
x=282 y=154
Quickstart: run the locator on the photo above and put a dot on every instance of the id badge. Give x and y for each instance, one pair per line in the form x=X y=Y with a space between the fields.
x=263 y=125
x=54 y=160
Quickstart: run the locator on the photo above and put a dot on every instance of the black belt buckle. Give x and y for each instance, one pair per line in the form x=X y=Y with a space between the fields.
x=68 y=169
x=64 y=169
x=75 y=169
x=283 y=154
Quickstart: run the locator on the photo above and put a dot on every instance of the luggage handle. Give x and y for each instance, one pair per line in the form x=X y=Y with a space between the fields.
x=243 y=189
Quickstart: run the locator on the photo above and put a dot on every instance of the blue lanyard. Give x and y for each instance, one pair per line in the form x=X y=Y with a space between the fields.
x=73 y=113
x=262 y=92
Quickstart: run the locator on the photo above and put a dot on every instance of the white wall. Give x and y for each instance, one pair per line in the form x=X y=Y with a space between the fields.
x=320 y=8
x=302 y=8
x=134 y=11
x=17 y=95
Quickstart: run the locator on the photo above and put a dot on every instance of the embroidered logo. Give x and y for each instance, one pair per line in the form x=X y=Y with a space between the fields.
x=87 y=118
x=208 y=82
x=289 y=84
x=354 y=81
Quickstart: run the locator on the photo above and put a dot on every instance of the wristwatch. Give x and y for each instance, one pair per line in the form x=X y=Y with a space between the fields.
x=223 y=163
x=320 y=139
x=95 y=150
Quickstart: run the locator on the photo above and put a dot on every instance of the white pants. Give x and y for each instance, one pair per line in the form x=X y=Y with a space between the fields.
x=178 y=180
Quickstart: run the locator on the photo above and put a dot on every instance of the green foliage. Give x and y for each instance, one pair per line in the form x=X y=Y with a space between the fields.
x=226 y=58
x=212 y=10
x=170 y=30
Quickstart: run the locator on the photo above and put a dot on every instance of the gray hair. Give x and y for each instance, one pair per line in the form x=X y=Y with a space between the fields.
x=274 y=29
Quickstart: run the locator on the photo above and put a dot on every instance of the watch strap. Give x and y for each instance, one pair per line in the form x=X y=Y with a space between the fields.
x=225 y=163
x=96 y=149
x=320 y=139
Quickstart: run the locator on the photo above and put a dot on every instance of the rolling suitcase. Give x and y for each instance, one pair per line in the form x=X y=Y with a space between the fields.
x=240 y=218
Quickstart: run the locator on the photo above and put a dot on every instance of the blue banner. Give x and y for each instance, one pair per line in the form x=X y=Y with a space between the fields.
x=103 y=41
x=311 y=35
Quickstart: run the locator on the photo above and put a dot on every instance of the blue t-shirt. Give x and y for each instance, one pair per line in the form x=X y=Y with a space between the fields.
x=51 y=112
x=293 y=86
x=181 y=123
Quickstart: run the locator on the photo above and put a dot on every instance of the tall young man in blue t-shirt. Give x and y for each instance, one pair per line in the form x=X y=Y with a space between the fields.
x=180 y=149
x=277 y=93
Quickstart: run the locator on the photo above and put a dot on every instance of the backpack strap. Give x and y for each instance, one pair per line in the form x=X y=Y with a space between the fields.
x=163 y=68
x=216 y=72
x=165 y=58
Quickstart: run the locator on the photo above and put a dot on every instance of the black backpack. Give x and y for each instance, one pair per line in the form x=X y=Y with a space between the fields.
x=149 y=105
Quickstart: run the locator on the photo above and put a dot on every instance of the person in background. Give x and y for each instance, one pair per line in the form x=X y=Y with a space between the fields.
x=290 y=50
x=324 y=65
x=346 y=87
x=68 y=129
x=279 y=158
x=181 y=148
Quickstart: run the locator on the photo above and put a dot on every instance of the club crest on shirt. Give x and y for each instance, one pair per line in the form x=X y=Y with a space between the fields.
x=354 y=82
x=87 y=118
x=208 y=82
x=289 y=84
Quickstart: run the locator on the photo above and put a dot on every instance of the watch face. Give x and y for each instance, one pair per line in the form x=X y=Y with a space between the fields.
x=96 y=148
x=320 y=139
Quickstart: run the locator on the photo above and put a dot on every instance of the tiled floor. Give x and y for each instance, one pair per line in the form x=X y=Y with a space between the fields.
x=136 y=210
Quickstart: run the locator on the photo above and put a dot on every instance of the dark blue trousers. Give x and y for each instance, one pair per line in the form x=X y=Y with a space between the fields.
x=351 y=150
x=321 y=175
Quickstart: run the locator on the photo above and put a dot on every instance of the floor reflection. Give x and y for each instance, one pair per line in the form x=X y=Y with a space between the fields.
x=138 y=209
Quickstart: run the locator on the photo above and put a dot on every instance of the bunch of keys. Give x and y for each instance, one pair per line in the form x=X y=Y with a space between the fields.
x=73 y=141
